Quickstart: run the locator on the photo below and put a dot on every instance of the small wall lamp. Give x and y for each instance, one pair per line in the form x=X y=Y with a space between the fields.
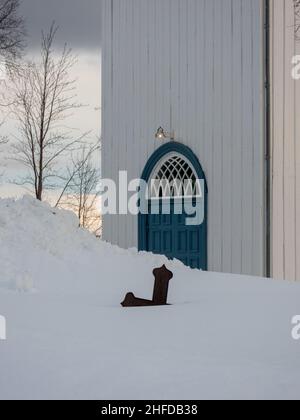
x=161 y=134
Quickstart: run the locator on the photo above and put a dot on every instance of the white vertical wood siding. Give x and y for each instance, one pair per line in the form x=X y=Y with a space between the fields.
x=196 y=67
x=285 y=144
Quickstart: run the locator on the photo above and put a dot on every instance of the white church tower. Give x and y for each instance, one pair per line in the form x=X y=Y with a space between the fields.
x=216 y=77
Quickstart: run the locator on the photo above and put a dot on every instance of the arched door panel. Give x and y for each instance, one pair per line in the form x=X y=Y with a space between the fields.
x=164 y=230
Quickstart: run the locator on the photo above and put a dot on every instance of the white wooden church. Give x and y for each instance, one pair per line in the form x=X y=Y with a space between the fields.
x=216 y=77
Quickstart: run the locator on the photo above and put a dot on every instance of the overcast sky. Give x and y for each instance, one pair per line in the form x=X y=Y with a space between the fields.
x=79 y=20
x=79 y=24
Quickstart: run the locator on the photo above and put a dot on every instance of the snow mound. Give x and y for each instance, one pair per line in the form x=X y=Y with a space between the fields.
x=35 y=236
x=31 y=231
x=223 y=337
x=28 y=221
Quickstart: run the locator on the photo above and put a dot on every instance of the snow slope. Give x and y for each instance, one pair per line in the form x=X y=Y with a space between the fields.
x=68 y=337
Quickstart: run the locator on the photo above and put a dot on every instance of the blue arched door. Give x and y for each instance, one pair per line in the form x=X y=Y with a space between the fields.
x=175 y=221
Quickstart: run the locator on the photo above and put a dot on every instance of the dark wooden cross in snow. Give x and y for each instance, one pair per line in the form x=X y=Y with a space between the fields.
x=160 y=293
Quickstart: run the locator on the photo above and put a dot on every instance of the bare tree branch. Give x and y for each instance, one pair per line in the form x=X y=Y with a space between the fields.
x=12 y=32
x=3 y=141
x=12 y=35
x=44 y=94
x=81 y=189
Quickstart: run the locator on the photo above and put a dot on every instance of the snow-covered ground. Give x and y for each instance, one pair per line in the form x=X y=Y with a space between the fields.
x=68 y=337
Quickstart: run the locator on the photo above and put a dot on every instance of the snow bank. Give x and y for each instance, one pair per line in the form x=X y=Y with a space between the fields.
x=67 y=336
x=37 y=240
x=31 y=232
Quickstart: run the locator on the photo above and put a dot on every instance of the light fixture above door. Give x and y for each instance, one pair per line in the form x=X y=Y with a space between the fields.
x=161 y=134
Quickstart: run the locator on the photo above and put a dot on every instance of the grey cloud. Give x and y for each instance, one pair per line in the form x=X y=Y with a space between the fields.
x=79 y=21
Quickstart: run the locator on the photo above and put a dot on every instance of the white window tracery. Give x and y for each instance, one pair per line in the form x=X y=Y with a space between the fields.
x=174 y=177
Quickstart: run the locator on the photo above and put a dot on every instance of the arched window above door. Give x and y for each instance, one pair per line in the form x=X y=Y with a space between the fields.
x=173 y=176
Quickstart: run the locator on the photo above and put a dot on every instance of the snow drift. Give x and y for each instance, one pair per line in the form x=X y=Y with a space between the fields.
x=68 y=337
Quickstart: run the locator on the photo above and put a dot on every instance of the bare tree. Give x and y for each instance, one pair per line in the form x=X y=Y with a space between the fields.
x=3 y=138
x=81 y=188
x=12 y=35
x=43 y=98
x=11 y=31
x=3 y=141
